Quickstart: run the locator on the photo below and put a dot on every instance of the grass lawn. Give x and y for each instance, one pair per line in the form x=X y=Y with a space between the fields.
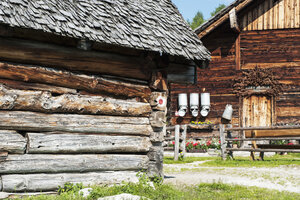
x=272 y=161
x=215 y=191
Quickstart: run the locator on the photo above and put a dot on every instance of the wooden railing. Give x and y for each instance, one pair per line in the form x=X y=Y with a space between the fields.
x=293 y=134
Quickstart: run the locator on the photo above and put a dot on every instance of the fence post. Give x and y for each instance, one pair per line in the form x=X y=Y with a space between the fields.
x=183 y=136
x=223 y=142
x=176 y=147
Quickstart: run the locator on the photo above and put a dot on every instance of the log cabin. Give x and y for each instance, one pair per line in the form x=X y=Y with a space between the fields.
x=255 y=65
x=84 y=88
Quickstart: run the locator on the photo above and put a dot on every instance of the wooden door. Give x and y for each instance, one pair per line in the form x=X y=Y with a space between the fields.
x=257 y=111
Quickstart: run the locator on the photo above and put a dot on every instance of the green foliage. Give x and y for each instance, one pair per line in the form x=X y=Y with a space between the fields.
x=279 y=142
x=220 y=7
x=197 y=20
x=70 y=187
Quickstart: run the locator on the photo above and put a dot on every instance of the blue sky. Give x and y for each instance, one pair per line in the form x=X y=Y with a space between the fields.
x=188 y=8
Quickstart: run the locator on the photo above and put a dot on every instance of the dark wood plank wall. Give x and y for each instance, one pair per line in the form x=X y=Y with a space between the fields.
x=278 y=50
x=217 y=80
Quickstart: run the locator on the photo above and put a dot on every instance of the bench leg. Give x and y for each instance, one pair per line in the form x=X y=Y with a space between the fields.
x=252 y=155
x=261 y=156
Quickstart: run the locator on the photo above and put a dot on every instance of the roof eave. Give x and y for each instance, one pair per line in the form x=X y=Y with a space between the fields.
x=220 y=17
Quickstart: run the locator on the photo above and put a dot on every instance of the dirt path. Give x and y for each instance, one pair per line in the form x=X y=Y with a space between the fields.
x=285 y=178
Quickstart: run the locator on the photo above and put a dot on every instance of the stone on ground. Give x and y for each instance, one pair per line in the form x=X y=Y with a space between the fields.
x=85 y=192
x=123 y=196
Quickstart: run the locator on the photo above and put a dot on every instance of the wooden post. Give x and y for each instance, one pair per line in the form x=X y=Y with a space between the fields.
x=223 y=142
x=183 y=136
x=176 y=148
x=229 y=135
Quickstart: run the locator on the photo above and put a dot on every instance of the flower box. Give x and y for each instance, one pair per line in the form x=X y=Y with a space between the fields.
x=197 y=151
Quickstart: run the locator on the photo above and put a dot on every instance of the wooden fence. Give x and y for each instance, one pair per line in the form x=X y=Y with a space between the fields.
x=259 y=134
x=177 y=138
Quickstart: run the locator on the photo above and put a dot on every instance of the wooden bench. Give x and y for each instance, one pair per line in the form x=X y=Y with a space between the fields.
x=255 y=134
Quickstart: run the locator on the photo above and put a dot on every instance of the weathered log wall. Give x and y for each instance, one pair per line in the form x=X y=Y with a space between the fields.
x=61 y=126
x=50 y=182
x=91 y=84
x=49 y=163
x=42 y=101
x=12 y=142
x=81 y=143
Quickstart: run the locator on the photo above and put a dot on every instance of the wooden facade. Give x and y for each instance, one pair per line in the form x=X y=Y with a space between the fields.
x=265 y=44
x=82 y=101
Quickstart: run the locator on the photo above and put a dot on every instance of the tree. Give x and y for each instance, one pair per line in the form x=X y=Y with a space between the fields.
x=197 y=20
x=220 y=7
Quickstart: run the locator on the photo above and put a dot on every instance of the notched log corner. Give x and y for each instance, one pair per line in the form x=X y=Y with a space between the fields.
x=158 y=119
x=158 y=100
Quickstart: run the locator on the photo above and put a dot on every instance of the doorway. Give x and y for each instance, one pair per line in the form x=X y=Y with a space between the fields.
x=257 y=111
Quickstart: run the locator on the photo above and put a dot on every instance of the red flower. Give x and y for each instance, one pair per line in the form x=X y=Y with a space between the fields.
x=219 y=142
x=187 y=144
x=208 y=143
x=290 y=143
x=195 y=144
x=173 y=142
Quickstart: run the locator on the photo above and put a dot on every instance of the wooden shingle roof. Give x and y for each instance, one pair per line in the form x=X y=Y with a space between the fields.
x=151 y=25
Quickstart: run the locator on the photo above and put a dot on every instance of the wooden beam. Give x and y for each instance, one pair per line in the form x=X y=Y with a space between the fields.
x=264 y=150
x=39 y=101
x=50 y=182
x=93 y=84
x=223 y=19
x=31 y=121
x=37 y=53
x=37 y=86
x=263 y=128
x=81 y=143
x=264 y=138
x=49 y=163
x=275 y=133
x=238 y=52
x=233 y=20
x=12 y=142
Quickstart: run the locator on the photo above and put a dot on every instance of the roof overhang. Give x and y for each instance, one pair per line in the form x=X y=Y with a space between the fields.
x=221 y=17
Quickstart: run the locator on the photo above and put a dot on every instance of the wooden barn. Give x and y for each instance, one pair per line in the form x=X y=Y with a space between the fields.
x=255 y=65
x=83 y=89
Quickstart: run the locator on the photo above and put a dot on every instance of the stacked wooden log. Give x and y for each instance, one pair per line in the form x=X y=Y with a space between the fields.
x=59 y=126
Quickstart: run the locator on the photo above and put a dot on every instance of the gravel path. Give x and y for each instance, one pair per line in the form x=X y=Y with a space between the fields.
x=284 y=178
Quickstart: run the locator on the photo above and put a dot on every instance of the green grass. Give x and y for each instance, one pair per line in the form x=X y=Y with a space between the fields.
x=272 y=161
x=215 y=191
x=170 y=160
